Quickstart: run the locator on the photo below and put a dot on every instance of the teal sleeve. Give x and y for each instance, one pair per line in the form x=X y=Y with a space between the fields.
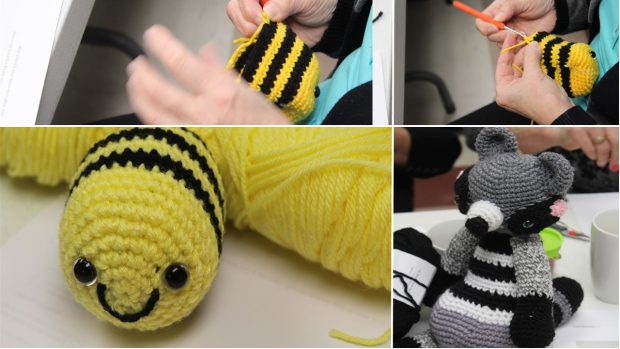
x=605 y=43
x=355 y=70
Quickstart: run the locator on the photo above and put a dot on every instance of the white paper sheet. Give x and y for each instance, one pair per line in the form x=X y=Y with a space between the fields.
x=27 y=31
x=263 y=296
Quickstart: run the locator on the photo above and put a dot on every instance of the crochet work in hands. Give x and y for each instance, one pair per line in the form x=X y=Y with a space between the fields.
x=572 y=65
x=277 y=63
x=494 y=287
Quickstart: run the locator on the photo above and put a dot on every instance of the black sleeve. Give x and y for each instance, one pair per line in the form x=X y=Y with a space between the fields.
x=345 y=32
x=354 y=108
x=604 y=98
x=445 y=145
x=574 y=116
x=572 y=15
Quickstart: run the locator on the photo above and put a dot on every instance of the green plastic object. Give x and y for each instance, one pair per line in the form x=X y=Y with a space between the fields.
x=552 y=242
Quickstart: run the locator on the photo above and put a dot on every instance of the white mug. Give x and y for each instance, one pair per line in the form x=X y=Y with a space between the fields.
x=604 y=256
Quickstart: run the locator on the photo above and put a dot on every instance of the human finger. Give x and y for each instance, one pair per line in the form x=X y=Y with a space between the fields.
x=175 y=56
x=161 y=91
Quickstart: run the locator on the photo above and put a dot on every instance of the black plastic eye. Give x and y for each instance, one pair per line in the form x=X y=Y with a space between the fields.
x=176 y=276
x=528 y=224
x=85 y=271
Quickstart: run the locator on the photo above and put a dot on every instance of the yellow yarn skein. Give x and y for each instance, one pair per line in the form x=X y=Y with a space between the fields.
x=324 y=193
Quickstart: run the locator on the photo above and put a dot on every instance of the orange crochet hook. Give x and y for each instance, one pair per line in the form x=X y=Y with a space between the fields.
x=473 y=12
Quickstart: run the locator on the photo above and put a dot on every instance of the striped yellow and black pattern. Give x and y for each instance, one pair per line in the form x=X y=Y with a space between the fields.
x=178 y=152
x=277 y=63
x=572 y=65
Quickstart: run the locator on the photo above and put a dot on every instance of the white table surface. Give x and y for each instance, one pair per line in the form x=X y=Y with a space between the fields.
x=575 y=263
x=72 y=22
x=263 y=295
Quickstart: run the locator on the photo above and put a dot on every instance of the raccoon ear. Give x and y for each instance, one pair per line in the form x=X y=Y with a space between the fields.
x=559 y=173
x=494 y=141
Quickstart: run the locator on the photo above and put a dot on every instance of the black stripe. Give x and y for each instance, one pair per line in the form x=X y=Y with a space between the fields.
x=278 y=62
x=165 y=164
x=256 y=55
x=172 y=139
x=540 y=36
x=292 y=88
x=564 y=70
x=497 y=242
x=546 y=56
x=240 y=63
x=483 y=298
x=491 y=271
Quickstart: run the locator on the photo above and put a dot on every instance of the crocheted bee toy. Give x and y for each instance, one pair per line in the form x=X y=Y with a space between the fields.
x=146 y=262
x=277 y=63
x=572 y=65
x=494 y=285
x=143 y=227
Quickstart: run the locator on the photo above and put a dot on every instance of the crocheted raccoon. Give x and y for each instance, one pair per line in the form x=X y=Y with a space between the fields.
x=277 y=63
x=494 y=286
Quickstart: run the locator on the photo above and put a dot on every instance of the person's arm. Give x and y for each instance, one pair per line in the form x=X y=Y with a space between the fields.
x=346 y=29
x=572 y=15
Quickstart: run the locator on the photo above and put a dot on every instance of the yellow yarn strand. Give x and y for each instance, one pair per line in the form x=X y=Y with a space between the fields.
x=367 y=342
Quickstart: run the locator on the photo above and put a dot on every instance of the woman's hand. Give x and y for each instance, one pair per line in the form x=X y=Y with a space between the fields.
x=600 y=144
x=532 y=94
x=208 y=94
x=528 y=16
x=308 y=18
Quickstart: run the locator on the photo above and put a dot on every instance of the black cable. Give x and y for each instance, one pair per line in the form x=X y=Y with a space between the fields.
x=110 y=38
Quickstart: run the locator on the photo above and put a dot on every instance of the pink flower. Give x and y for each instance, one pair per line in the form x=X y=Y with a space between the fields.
x=558 y=208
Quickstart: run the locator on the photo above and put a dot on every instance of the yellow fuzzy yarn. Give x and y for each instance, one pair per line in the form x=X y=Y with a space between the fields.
x=324 y=193
x=572 y=65
x=277 y=63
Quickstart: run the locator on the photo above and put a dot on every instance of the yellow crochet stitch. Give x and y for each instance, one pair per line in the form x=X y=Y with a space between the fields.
x=325 y=193
x=277 y=63
x=572 y=65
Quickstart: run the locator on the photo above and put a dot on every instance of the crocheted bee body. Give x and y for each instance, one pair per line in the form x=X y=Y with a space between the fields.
x=277 y=63
x=572 y=65
x=495 y=285
x=141 y=235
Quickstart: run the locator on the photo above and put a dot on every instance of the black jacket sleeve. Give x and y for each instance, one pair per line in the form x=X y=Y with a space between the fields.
x=574 y=116
x=345 y=32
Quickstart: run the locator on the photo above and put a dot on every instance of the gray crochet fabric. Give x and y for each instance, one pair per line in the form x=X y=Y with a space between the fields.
x=511 y=180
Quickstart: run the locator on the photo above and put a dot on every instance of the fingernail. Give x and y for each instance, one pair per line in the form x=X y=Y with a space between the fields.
x=271 y=10
x=149 y=33
x=499 y=17
x=615 y=168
